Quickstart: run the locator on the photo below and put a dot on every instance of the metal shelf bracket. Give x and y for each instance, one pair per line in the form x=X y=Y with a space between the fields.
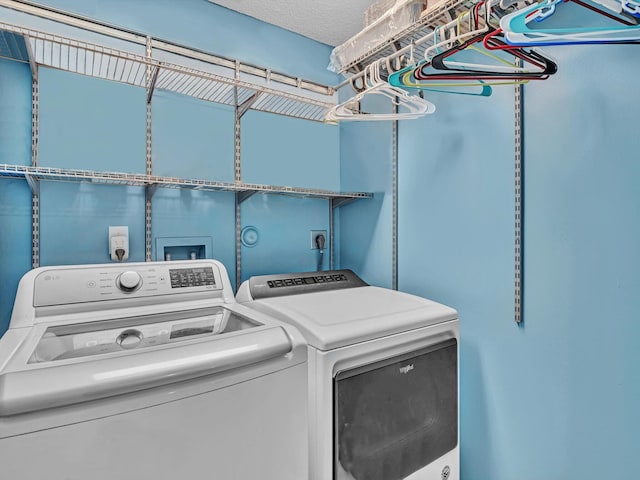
x=246 y=105
x=338 y=202
x=152 y=83
x=32 y=61
x=34 y=183
x=152 y=189
x=245 y=195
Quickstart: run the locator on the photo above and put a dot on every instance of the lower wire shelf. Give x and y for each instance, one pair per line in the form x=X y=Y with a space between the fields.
x=36 y=174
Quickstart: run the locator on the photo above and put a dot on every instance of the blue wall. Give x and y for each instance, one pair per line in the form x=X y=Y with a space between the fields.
x=365 y=240
x=91 y=124
x=456 y=246
x=192 y=138
x=15 y=196
x=580 y=343
x=557 y=398
x=283 y=223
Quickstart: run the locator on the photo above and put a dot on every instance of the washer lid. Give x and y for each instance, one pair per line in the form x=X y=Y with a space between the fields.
x=63 y=370
x=337 y=318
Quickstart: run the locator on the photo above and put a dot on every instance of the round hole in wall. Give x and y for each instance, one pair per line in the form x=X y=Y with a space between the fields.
x=249 y=236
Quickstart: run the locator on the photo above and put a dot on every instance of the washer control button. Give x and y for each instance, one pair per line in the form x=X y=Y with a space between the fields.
x=129 y=281
x=129 y=338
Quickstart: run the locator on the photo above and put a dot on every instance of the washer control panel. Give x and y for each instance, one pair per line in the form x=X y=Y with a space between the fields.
x=191 y=277
x=112 y=282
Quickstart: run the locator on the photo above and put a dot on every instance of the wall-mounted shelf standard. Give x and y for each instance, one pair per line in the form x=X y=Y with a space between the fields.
x=215 y=79
x=34 y=174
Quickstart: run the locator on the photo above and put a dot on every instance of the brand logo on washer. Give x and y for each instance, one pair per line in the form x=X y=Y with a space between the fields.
x=406 y=369
x=446 y=471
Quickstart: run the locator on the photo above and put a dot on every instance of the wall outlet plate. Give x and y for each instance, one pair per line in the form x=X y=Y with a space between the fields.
x=119 y=243
x=314 y=234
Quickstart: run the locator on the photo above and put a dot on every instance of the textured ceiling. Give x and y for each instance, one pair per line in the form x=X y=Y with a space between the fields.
x=327 y=21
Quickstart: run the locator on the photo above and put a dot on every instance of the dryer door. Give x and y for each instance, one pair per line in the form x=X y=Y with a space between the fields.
x=393 y=417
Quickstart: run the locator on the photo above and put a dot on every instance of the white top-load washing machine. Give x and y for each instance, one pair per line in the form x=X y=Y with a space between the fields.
x=148 y=371
x=383 y=375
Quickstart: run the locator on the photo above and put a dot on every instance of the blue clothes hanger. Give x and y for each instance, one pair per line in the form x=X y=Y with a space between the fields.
x=632 y=7
x=516 y=27
x=468 y=87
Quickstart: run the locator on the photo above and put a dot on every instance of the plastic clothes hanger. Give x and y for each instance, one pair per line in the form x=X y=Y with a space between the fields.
x=507 y=66
x=490 y=43
x=404 y=79
x=438 y=61
x=413 y=106
x=471 y=87
x=484 y=85
x=631 y=7
x=543 y=67
x=517 y=31
x=463 y=75
x=448 y=39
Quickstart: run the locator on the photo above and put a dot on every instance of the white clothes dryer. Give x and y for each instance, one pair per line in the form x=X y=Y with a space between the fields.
x=148 y=371
x=383 y=375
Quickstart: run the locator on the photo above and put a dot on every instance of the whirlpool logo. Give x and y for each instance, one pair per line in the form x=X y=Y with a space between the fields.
x=406 y=368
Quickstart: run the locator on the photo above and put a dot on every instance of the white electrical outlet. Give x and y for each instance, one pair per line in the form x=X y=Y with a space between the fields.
x=314 y=234
x=119 y=243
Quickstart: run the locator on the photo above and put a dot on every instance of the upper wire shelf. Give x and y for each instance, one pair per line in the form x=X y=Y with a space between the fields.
x=140 y=180
x=439 y=14
x=12 y=46
x=206 y=77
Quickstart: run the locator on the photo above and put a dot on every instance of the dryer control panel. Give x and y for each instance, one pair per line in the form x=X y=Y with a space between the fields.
x=266 y=286
x=111 y=282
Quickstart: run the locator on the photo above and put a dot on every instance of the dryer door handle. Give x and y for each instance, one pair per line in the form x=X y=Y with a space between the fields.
x=35 y=389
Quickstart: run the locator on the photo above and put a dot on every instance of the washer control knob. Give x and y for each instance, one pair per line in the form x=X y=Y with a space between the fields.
x=129 y=281
x=129 y=338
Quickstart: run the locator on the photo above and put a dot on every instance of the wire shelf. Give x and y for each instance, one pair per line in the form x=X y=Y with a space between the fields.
x=12 y=46
x=440 y=14
x=139 y=180
x=220 y=89
x=297 y=98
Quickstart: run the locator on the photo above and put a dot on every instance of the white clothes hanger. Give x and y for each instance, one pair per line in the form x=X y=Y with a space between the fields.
x=409 y=106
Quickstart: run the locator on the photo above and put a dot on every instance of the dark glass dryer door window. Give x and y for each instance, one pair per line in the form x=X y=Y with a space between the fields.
x=393 y=417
